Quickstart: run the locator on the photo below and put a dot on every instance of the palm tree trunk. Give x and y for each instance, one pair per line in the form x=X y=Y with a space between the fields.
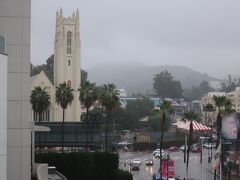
x=189 y=145
x=86 y=131
x=39 y=116
x=161 y=141
x=106 y=137
x=92 y=126
x=63 y=131
x=219 y=127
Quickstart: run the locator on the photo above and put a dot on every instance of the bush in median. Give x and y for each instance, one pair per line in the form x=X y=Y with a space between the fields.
x=122 y=175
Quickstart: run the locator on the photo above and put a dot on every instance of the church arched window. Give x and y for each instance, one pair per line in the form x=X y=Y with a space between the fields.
x=69 y=62
x=69 y=42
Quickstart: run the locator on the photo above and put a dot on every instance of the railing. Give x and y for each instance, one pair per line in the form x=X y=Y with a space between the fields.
x=74 y=135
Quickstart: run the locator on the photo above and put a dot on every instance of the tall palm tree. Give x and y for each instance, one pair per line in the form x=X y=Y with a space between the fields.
x=109 y=98
x=209 y=108
x=164 y=107
x=220 y=101
x=228 y=107
x=87 y=96
x=40 y=100
x=189 y=116
x=64 y=97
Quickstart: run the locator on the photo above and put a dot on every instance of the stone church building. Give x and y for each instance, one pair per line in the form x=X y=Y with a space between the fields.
x=66 y=68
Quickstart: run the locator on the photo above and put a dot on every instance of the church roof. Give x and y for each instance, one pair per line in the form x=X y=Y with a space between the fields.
x=42 y=76
x=32 y=79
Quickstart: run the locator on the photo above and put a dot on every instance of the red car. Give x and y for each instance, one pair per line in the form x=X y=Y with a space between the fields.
x=173 y=149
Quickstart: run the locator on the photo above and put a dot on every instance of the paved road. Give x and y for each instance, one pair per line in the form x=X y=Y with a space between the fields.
x=146 y=173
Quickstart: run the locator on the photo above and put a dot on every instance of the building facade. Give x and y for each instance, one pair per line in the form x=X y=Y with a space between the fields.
x=209 y=99
x=233 y=96
x=66 y=68
x=15 y=18
x=3 y=110
x=235 y=99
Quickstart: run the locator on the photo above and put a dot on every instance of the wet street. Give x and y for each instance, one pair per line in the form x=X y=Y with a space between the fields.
x=145 y=173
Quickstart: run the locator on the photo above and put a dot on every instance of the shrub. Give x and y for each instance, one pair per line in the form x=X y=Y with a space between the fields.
x=122 y=175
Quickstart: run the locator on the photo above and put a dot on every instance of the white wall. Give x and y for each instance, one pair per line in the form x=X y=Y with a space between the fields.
x=15 y=18
x=3 y=117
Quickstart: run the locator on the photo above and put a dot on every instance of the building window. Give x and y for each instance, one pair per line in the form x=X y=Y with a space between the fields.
x=35 y=116
x=69 y=42
x=69 y=62
x=2 y=44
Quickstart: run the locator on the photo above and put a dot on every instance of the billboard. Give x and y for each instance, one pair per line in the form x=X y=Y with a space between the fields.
x=231 y=145
x=230 y=126
x=167 y=168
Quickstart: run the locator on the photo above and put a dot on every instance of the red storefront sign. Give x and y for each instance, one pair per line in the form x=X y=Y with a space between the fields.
x=167 y=168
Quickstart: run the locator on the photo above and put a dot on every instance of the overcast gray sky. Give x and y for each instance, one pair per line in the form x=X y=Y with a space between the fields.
x=201 y=34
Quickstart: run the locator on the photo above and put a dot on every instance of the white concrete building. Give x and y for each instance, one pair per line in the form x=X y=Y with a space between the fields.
x=15 y=18
x=216 y=85
x=122 y=92
x=3 y=110
x=233 y=96
x=235 y=99
x=66 y=68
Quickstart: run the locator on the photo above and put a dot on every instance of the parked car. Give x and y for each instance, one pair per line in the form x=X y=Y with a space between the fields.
x=164 y=156
x=209 y=145
x=136 y=161
x=173 y=149
x=182 y=148
x=157 y=151
x=149 y=162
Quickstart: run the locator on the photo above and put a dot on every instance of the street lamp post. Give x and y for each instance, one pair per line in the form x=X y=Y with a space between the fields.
x=202 y=138
x=211 y=136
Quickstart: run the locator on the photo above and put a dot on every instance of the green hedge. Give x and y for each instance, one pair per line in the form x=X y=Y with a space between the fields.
x=85 y=166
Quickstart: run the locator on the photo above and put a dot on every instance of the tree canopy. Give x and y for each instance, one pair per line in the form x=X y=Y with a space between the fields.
x=165 y=86
x=64 y=95
x=195 y=93
x=40 y=100
x=48 y=69
x=88 y=94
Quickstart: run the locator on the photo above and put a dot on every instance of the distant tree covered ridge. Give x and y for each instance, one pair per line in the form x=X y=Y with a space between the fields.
x=48 y=69
x=231 y=84
x=196 y=92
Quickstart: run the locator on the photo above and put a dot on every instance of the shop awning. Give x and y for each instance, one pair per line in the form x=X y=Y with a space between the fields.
x=196 y=126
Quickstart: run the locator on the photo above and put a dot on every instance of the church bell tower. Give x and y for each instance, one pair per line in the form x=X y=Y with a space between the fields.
x=67 y=61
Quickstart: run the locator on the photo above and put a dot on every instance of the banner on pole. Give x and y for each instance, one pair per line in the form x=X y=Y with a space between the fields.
x=167 y=168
